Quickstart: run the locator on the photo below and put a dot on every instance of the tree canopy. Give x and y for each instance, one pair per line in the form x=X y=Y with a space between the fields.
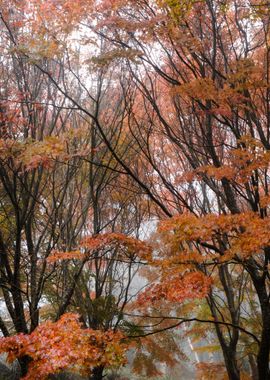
x=118 y=116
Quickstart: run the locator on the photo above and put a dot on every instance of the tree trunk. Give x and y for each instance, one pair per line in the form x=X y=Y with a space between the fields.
x=231 y=365
x=24 y=362
x=253 y=367
x=263 y=295
x=97 y=373
x=263 y=354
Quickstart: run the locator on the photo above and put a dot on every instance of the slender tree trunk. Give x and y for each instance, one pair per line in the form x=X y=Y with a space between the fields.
x=227 y=344
x=231 y=365
x=263 y=295
x=253 y=367
x=263 y=354
x=97 y=373
x=24 y=362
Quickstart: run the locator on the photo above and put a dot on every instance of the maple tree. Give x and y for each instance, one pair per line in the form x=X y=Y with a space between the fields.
x=183 y=87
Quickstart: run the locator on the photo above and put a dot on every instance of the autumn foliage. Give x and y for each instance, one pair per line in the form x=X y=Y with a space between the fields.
x=124 y=116
x=126 y=247
x=247 y=234
x=65 y=345
x=194 y=285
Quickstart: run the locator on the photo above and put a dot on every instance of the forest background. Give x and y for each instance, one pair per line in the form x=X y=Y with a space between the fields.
x=118 y=117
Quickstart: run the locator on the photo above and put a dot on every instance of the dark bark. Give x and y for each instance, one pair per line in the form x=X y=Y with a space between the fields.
x=260 y=284
x=24 y=363
x=253 y=367
x=231 y=363
x=229 y=354
x=228 y=342
x=264 y=349
x=97 y=373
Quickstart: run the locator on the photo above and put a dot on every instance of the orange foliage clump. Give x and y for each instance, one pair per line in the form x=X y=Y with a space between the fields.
x=177 y=289
x=64 y=345
x=247 y=233
x=58 y=255
x=127 y=247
